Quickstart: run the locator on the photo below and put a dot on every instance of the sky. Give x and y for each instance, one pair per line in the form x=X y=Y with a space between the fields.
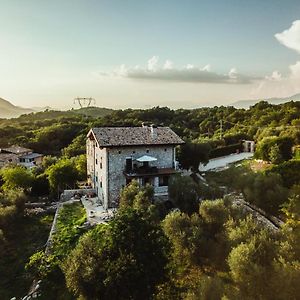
x=133 y=53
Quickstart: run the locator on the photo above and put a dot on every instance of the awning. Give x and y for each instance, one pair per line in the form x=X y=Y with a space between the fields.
x=146 y=158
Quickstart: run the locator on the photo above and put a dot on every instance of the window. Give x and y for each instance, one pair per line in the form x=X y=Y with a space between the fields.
x=120 y=152
x=133 y=152
x=101 y=184
x=163 y=180
x=165 y=149
x=147 y=150
x=128 y=167
x=96 y=161
x=101 y=165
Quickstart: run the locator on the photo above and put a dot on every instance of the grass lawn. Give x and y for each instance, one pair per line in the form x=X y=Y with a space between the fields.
x=28 y=235
x=68 y=231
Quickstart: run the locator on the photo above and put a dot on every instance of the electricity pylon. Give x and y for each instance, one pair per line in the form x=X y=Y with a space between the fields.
x=84 y=101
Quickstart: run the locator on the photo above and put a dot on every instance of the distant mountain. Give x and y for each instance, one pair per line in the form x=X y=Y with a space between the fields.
x=8 y=110
x=248 y=103
x=37 y=108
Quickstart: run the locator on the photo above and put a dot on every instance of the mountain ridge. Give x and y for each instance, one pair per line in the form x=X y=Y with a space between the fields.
x=274 y=100
x=9 y=110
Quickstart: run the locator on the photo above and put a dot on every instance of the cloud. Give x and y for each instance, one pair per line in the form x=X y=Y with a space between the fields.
x=278 y=85
x=206 y=68
x=295 y=70
x=275 y=76
x=168 y=65
x=189 y=73
x=152 y=63
x=290 y=37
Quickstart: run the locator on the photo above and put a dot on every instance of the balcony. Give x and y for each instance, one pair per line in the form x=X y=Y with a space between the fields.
x=148 y=172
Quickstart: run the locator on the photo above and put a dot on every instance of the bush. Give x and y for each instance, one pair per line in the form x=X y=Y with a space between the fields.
x=274 y=147
x=289 y=172
x=222 y=151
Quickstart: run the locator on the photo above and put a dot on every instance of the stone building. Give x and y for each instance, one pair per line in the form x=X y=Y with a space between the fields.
x=117 y=155
x=17 y=155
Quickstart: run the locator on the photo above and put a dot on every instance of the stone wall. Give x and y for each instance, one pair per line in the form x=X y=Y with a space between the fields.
x=117 y=160
x=68 y=194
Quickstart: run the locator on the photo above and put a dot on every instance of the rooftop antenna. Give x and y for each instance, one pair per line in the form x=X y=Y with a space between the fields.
x=84 y=101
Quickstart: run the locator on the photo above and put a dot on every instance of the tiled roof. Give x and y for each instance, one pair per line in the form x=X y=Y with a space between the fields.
x=16 y=150
x=135 y=136
x=31 y=155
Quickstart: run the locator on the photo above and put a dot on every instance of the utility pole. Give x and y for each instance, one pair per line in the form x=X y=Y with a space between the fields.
x=221 y=129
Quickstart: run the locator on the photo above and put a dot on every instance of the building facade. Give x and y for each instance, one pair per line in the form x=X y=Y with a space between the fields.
x=17 y=155
x=117 y=155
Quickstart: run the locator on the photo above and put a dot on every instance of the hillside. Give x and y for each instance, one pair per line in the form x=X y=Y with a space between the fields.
x=8 y=110
x=248 y=103
x=95 y=112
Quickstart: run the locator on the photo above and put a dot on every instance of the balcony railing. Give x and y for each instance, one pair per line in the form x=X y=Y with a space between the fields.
x=149 y=171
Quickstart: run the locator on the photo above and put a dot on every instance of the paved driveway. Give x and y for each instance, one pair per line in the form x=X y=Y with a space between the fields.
x=224 y=161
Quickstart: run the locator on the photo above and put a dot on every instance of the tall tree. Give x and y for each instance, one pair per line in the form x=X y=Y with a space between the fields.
x=123 y=260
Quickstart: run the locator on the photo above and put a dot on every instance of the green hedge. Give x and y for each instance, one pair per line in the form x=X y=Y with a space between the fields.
x=222 y=151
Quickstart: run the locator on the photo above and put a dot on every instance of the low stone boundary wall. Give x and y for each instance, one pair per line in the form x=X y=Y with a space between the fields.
x=68 y=194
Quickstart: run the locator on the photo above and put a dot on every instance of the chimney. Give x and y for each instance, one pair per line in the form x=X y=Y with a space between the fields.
x=153 y=129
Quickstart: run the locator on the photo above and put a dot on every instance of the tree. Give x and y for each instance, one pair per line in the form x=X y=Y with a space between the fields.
x=77 y=147
x=135 y=196
x=251 y=266
x=289 y=172
x=81 y=166
x=16 y=177
x=265 y=191
x=62 y=174
x=183 y=192
x=283 y=148
x=199 y=240
x=123 y=260
x=186 y=236
x=275 y=155
x=191 y=154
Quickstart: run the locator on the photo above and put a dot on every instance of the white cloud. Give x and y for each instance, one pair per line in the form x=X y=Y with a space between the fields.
x=206 y=68
x=277 y=85
x=275 y=76
x=189 y=66
x=233 y=73
x=168 y=65
x=189 y=73
x=290 y=37
x=295 y=70
x=152 y=63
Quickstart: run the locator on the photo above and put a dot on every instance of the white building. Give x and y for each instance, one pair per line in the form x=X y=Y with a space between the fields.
x=117 y=155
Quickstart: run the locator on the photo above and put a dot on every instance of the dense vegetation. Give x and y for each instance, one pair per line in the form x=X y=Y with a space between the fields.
x=204 y=250
x=20 y=236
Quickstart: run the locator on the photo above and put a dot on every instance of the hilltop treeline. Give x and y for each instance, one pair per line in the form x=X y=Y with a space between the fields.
x=50 y=132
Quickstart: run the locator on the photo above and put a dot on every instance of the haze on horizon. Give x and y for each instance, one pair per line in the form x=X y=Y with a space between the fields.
x=147 y=53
